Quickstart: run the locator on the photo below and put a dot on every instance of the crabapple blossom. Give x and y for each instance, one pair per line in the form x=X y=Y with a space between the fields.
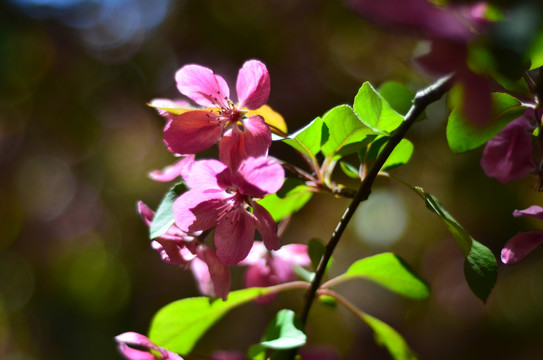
x=522 y=244
x=221 y=119
x=222 y=198
x=150 y=352
x=508 y=156
x=178 y=248
x=268 y=268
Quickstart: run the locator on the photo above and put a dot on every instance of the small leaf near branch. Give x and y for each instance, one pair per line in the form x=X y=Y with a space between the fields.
x=480 y=267
x=284 y=332
x=389 y=271
x=389 y=338
x=310 y=138
x=164 y=218
x=374 y=111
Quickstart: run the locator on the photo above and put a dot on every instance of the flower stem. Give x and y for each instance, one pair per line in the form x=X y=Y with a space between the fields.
x=422 y=99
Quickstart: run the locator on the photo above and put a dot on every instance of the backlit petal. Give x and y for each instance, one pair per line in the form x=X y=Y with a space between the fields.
x=195 y=211
x=522 y=244
x=203 y=175
x=218 y=272
x=294 y=254
x=191 y=132
x=508 y=156
x=145 y=212
x=534 y=211
x=260 y=176
x=253 y=139
x=171 y=172
x=266 y=227
x=234 y=236
x=253 y=85
x=202 y=85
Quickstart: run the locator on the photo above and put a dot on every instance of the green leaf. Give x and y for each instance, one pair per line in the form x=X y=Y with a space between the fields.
x=290 y=198
x=349 y=170
x=315 y=250
x=374 y=111
x=463 y=135
x=397 y=95
x=284 y=332
x=164 y=218
x=180 y=324
x=346 y=132
x=309 y=139
x=480 y=267
x=400 y=155
x=389 y=271
x=256 y=352
x=389 y=338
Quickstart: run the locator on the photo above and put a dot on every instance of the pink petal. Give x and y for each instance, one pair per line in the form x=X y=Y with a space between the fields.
x=202 y=85
x=202 y=277
x=266 y=227
x=203 y=175
x=194 y=210
x=253 y=85
x=173 y=252
x=294 y=254
x=534 y=211
x=145 y=212
x=133 y=338
x=218 y=272
x=259 y=275
x=191 y=132
x=522 y=244
x=253 y=139
x=257 y=253
x=135 y=354
x=234 y=236
x=171 y=172
x=258 y=177
x=508 y=156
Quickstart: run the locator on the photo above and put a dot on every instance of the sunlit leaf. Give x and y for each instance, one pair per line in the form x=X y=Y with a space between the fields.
x=374 y=111
x=349 y=170
x=346 y=132
x=397 y=95
x=462 y=135
x=389 y=338
x=284 y=332
x=164 y=218
x=399 y=156
x=290 y=198
x=308 y=140
x=180 y=324
x=480 y=267
x=389 y=271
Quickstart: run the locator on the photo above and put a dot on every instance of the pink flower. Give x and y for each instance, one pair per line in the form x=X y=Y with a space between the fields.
x=178 y=248
x=268 y=268
x=149 y=350
x=522 y=244
x=194 y=131
x=222 y=198
x=508 y=156
x=171 y=172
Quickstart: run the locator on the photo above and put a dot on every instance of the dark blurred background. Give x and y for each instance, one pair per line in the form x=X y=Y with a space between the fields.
x=77 y=141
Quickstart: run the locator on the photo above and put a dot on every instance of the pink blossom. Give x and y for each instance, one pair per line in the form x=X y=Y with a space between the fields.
x=222 y=198
x=173 y=171
x=194 y=131
x=149 y=350
x=268 y=268
x=179 y=248
x=508 y=156
x=522 y=244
